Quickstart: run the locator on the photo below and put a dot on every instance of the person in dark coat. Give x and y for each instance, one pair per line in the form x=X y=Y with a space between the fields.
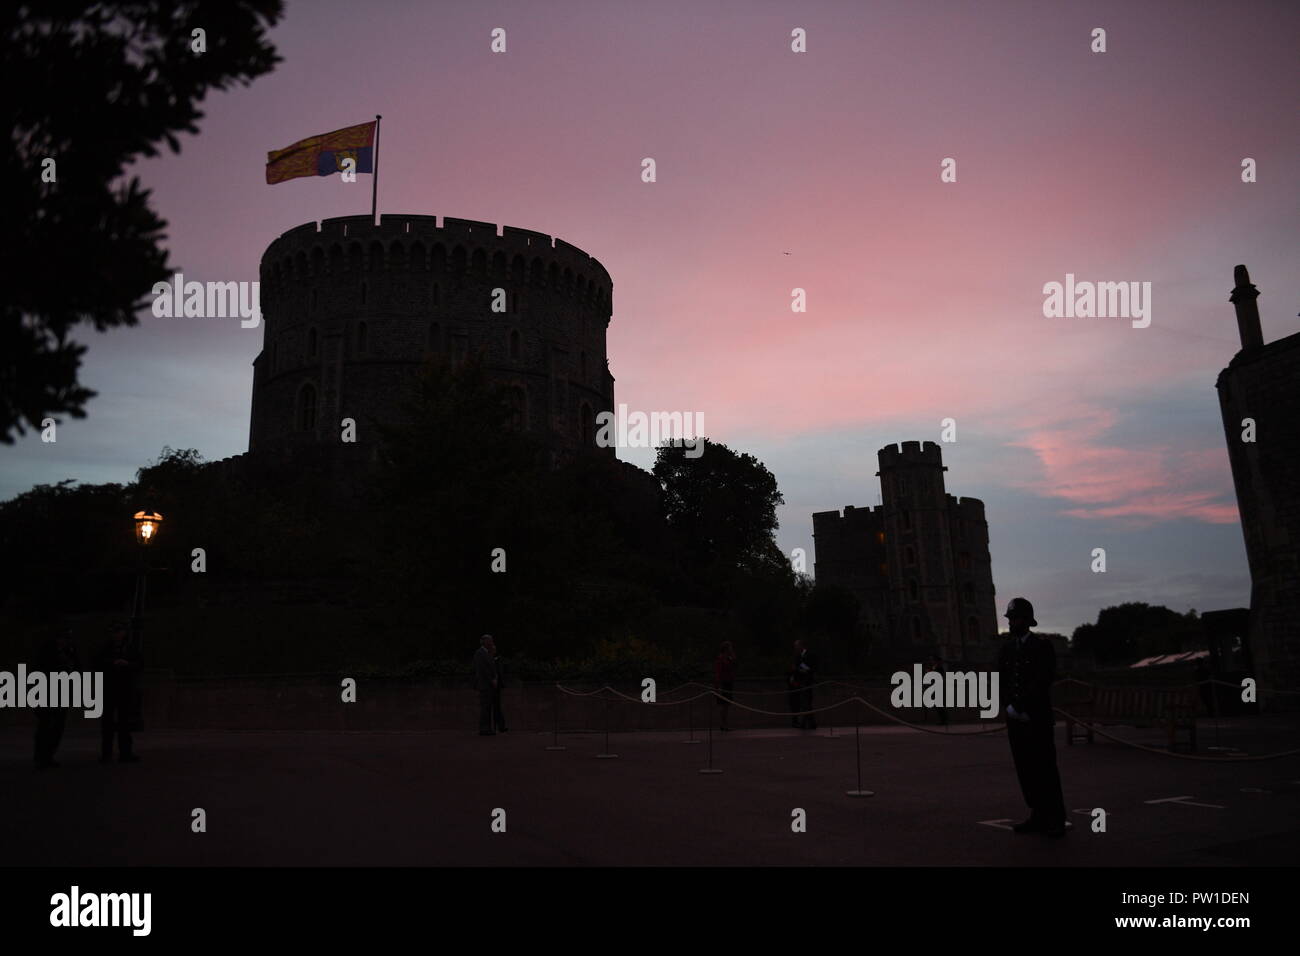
x=724 y=681
x=119 y=660
x=498 y=718
x=56 y=654
x=1027 y=664
x=803 y=674
x=485 y=680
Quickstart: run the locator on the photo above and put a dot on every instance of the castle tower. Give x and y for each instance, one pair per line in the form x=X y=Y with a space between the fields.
x=919 y=546
x=918 y=564
x=351 y=311
x=1260 y=385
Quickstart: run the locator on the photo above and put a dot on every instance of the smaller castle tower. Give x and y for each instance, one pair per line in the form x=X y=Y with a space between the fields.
x=919 y=563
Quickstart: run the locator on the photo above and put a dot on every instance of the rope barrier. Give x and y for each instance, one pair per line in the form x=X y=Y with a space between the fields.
x=1095 y=728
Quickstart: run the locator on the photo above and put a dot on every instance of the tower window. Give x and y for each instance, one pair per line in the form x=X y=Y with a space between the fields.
x=307 y=408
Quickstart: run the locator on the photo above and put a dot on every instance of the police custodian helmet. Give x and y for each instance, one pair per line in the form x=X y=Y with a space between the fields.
x=1021 y=608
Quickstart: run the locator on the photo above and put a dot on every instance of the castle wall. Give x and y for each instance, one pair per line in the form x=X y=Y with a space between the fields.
x=1263 y=383
x=352 y=310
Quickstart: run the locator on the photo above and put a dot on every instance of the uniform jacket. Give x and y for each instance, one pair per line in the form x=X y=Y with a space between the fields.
x=1028 y=670
x=485 y=669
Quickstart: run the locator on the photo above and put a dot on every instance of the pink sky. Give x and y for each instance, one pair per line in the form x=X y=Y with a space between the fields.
x=925 y=299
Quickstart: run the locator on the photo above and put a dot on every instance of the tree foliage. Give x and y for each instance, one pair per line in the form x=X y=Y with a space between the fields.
x=94 y=87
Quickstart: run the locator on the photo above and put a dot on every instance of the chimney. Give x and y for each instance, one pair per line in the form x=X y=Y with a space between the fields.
x=1243 y=297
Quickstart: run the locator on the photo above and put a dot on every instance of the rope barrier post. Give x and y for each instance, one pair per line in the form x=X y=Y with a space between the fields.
x=556 y=709
x=690 y=723
x=606 y=755
x=710 y=768
x=857 y=745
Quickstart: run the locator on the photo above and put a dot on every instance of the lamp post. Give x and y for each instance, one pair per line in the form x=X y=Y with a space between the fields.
x=147 y=524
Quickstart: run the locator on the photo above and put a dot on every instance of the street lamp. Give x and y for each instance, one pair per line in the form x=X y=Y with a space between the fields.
x=147 y=524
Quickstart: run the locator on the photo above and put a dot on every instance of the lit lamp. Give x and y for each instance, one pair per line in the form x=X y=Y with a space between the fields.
x=146 y=526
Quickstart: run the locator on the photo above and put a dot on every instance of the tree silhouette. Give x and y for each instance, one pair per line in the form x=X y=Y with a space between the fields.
x=93 y=87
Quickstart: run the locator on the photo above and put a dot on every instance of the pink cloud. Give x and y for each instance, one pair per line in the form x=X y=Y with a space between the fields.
x=1144 y=485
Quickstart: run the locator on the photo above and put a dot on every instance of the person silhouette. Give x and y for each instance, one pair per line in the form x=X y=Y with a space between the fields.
x=1027 y=663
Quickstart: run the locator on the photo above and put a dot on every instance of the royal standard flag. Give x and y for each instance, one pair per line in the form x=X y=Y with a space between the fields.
x=323 y=155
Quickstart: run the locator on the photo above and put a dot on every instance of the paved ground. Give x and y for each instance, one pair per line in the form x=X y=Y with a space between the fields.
x=427 y=799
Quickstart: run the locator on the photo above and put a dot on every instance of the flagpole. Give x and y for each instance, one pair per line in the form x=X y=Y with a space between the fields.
x=374 y=182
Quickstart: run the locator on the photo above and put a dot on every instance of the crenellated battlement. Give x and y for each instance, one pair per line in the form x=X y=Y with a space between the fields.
x=968 y=508
x=911 y=453
x=422 y=243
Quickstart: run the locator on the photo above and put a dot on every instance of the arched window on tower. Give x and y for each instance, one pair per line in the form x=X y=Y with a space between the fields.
x=307 y=408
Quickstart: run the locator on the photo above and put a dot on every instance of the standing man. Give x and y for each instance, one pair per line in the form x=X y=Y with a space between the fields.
x=56 y=654
x=485 y=679
x=119 y=660
x=1028 y=666
x=803 y=674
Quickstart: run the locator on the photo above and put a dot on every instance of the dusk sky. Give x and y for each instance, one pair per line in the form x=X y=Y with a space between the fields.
x=925 y=299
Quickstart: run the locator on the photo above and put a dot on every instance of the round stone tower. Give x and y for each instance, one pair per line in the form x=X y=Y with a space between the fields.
x=351 y=311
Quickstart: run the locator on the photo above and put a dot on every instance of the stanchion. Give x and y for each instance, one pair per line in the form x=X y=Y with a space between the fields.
x=710 y=768
x=857 y=745
x=556 y=745
x=606 y=755
x=690 y=724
